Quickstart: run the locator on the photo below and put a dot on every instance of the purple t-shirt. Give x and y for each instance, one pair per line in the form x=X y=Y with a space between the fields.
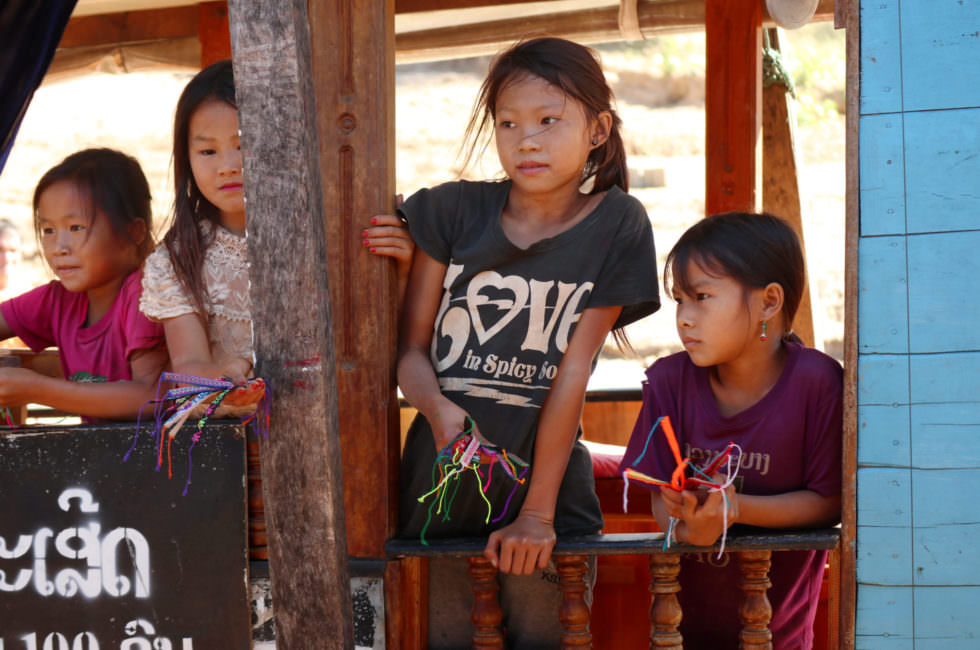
x=53 y=316
x=790 y=439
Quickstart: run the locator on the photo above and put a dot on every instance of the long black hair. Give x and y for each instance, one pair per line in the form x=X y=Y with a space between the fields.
x=575 y=70
x=753 y=249
x=185 y=242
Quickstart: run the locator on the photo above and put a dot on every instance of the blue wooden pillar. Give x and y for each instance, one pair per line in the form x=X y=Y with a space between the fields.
x=918 y=560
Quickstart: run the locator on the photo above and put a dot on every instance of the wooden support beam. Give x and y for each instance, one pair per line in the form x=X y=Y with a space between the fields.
x=595 y=25
x=129 y=27
x=851 y=20
x=354 y=77
x=291 y=314
x=780 y=179
x=212 y=29
x=733 y=96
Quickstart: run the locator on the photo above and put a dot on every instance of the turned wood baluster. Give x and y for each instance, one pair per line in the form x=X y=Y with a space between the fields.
x=574 y=612
x=486 y=614
x=755 y=612
x=665 y=611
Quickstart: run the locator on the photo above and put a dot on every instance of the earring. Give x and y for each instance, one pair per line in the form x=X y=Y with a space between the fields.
x=765 y=331
x=595 y=141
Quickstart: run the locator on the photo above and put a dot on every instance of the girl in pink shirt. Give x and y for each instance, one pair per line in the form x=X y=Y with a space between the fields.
x=92 y=218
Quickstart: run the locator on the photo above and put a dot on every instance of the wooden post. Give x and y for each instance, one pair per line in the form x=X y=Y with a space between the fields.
x=213 y=32
x=780 y=180
x=291 y=313
x=732 y=103
x=755 y=612
x=354 y=76
x=665 y=611
x=573 y=612
x=486 y=614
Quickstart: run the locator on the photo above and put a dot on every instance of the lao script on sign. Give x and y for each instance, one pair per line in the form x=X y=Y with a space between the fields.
x=96 y=553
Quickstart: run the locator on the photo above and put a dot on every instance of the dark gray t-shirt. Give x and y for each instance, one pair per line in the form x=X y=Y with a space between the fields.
x=505 y=320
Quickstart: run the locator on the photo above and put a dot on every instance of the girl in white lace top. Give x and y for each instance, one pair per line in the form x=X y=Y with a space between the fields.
x=196 y=281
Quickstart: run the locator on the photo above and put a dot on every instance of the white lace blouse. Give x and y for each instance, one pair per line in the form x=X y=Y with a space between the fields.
x=226 y=296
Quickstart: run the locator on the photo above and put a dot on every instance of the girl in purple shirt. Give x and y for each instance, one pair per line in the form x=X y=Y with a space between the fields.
x=92 y=217
x=737 y=279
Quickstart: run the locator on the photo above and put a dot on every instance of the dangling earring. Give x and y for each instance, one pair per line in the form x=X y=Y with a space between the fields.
x=765 y=331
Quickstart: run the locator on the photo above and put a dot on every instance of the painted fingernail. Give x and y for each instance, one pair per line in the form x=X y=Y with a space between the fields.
x=367 y=242
x=364 y=234
x=374 y=220
x=372 y=250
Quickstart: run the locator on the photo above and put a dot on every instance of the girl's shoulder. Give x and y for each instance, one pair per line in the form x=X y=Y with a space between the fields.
x=670 y=369
x=453 y=197
x=814 y=364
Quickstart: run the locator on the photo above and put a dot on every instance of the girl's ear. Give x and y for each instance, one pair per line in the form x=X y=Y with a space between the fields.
x=601 y=127
x=772 y=300
x=137 y=231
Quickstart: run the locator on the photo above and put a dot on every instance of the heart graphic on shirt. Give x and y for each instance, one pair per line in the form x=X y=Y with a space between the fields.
x=512 y=306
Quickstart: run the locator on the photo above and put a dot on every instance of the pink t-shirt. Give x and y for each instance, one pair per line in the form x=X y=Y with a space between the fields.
x=53 y=316
x=791 y=440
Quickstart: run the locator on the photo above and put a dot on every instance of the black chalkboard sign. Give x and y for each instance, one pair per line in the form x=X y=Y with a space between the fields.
x=97 y=553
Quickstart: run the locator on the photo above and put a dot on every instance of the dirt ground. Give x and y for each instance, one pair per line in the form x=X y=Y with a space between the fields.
x=660 y=96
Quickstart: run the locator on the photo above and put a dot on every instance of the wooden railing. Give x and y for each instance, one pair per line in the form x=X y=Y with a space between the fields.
x=571 y=553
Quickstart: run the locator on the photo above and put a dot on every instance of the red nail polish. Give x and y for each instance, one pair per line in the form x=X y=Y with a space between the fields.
x=364 y=234
x=367 y=241
x=372 y=250
x=374 y=220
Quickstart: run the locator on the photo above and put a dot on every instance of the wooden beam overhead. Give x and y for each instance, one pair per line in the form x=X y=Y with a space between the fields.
x=597 y=25
x=733 y=98
x=130 y=27
x=594 y=25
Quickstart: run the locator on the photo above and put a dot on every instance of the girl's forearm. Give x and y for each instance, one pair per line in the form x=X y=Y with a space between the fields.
x=557 y=428
x=418 y=382
x=799 y=509
x=114 y=400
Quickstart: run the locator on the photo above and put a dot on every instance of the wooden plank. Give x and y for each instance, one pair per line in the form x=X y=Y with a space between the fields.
x=946 y=618
x=942 y=162
x=849 y=518
x=944 y=377
x=131 y=27
x=609 y=422
x=885 y=556
x=882 y=175
x=733 y=96
x=884 y=378
x=407 y=625
x=940 y=55
x=593 y=25
x=410 y=6
x=881 y=58
x=292 y=324
x=944 y=307
x=885 y=617
x=780 y=182
x=883 y=316
x=212 y=30
x=945 y=435
x=885 y=496
x=885 y=438
x=353 y=73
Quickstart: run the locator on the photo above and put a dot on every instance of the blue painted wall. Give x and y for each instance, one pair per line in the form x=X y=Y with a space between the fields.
x=918 y=484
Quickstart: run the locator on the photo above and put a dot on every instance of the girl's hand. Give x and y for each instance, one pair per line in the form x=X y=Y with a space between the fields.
x=387 y=235
x=237 y=370
x=703 y=522
x=16 y=386
x=447 y=422
x=523 y=546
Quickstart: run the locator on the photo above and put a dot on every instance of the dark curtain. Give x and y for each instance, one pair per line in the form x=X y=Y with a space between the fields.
x=29 y=34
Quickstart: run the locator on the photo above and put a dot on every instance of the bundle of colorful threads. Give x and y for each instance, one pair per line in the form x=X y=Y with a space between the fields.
x=680 y=480
x=200 y=398
x=466 y=453
x=8 y=416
